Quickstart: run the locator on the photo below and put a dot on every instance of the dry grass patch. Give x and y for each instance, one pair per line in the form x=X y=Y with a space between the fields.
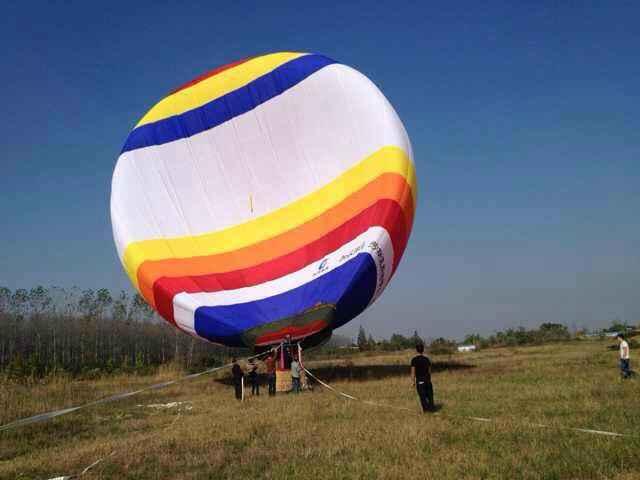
x=319 y=435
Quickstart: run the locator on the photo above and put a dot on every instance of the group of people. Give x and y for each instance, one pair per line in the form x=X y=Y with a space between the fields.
x=420 y=374
x=270 y=369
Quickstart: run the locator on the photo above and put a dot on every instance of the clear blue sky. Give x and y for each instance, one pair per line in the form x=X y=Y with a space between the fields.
x=524 y=118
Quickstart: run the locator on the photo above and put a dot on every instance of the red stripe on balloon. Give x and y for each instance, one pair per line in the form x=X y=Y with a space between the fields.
x=210 y=74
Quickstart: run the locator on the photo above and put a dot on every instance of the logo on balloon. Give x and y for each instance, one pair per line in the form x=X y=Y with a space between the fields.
x=323 y=266
x=379 y=255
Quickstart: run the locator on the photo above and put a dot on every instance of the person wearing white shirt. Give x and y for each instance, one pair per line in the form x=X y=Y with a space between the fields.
x=624 y=356
x=295 y=375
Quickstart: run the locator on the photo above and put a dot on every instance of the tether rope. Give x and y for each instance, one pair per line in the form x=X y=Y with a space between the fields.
x=121 y=396
x=475 y=419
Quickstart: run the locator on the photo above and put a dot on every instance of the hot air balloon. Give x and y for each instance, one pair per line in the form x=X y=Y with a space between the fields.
x=268 y=199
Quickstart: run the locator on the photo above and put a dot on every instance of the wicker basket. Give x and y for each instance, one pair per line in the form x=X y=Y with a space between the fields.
x=283 y=380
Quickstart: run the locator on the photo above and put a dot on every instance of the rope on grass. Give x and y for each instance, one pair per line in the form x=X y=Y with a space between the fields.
x=475 y=419
x=121 y=396
x=351 y=397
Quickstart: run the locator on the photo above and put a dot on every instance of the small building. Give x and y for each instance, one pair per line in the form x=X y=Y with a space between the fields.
x=466 y=348
x=601 y=333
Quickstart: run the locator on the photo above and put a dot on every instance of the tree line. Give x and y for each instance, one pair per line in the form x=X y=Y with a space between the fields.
x=511 y=337
x=545 y=333
x=46 y=331
x=395 y=342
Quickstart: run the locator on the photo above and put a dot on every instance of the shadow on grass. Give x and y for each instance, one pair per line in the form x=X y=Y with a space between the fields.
x=363 y=373
x=355 y=373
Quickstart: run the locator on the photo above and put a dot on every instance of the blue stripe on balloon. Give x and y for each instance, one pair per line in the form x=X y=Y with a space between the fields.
x=226 y=107
x=350 y=287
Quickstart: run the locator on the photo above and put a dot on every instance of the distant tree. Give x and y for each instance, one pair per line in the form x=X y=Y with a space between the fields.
x=442 y=346
x=120 y=307
x=473 y=339
x=87 y=303
x=400 y=342
x=550 y=332
x=617 y=326
x=102 y=302
x=5 y=299
x=18 y=302
x=362 y=338
x=39 y=300
x=552 y=326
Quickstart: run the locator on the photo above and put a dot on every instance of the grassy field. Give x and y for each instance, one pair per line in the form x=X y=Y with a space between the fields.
x=320 y=435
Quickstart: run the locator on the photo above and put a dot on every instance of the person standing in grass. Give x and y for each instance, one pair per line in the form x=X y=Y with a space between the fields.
x=238 y=375
x=624 y=356
x=295 y=374
x=421 y=379
x=253 y=376
x=270 y=365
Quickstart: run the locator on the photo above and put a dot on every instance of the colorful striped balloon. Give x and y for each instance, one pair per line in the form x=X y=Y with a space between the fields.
x=268 y=198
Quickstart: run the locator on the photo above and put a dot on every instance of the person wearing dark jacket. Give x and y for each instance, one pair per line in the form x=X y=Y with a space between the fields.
x=421 y=379
x=253 y=376
x=238 y=375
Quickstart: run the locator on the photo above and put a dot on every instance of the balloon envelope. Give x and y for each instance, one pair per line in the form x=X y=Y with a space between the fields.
x=271 y=198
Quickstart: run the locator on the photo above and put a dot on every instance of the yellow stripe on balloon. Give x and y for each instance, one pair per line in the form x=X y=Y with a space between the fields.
x=216 y=86
x=386 y=160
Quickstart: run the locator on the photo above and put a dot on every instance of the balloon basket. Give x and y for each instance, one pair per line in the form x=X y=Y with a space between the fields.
x=283 y=380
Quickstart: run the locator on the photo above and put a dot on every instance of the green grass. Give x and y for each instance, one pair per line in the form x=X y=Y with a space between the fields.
x=320 y=435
